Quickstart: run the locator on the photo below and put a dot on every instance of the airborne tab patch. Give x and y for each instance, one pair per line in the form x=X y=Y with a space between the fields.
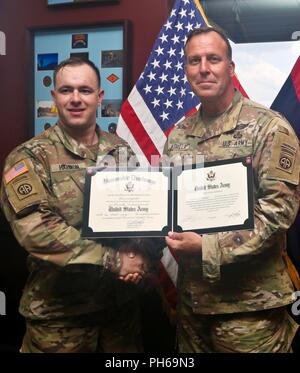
x=18 y=169
x=286 y=158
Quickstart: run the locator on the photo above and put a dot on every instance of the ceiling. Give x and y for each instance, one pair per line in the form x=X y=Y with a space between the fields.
x=253 y=21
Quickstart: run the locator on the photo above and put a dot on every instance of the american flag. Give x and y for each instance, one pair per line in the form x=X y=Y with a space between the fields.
x=17 y=170
x=161 y=98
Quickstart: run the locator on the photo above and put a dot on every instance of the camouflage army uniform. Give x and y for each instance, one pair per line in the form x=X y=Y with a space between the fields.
x=70 y=301
x=242 y=271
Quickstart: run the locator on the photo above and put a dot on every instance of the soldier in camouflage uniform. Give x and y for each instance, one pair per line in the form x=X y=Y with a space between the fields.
x=73 y=300
x=233 y=286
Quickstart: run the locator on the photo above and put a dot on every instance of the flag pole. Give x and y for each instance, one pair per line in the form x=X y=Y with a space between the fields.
x=199 y=6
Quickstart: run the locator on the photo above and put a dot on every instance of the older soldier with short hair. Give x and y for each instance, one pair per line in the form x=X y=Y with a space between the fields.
x=233 y=286
x=74 y=300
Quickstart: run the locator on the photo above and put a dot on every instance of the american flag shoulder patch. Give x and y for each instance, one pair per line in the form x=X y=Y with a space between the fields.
x=18 y=169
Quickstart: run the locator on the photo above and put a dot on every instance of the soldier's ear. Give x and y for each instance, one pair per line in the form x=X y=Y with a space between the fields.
x=53 y=94
x=231 y=68
x=100 y=96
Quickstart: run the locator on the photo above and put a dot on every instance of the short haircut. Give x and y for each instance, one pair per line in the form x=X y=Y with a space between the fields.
x=76 y=61
x=206 y=30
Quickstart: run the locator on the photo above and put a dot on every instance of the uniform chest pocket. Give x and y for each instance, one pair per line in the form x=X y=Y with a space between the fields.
x=68 y=188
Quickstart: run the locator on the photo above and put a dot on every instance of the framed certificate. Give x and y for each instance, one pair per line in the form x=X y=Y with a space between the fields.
x=127 y=203
x=211 y=197
x=214 y=197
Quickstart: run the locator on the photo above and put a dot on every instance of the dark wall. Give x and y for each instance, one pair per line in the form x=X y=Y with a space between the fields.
x=16 y=17
x=13 y=275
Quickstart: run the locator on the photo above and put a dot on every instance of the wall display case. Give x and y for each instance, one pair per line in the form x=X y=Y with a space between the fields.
x=104 y=44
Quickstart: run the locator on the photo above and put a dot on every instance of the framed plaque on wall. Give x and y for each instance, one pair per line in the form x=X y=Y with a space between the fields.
x=105 y=44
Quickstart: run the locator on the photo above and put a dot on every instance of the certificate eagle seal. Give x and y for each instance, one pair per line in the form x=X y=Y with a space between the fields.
x=210 y=176
x=129 y=187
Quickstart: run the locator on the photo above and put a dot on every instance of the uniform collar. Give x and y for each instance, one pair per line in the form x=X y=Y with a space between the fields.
x=107 y=143
x=72 y=145
x=224 y=123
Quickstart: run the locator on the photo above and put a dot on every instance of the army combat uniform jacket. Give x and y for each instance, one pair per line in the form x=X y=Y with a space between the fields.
x=243 y=271
x=42 y=198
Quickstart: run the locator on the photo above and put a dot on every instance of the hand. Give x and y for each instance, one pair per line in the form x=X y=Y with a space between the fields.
x=134 y=278
x=184 y=243
x=133 y=266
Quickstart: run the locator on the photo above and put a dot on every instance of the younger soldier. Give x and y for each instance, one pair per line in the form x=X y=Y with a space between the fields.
x=73 y=300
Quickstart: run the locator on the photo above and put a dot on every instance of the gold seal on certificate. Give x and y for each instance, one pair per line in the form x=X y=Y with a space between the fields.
x=211 y=197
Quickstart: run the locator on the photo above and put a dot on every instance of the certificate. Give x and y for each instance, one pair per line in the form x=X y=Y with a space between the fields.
x=211 y=197
x=214 y=197
x=127 y=203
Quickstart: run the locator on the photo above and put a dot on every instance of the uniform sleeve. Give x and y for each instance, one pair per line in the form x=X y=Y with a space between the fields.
x=276 y=183
x=28 y=206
